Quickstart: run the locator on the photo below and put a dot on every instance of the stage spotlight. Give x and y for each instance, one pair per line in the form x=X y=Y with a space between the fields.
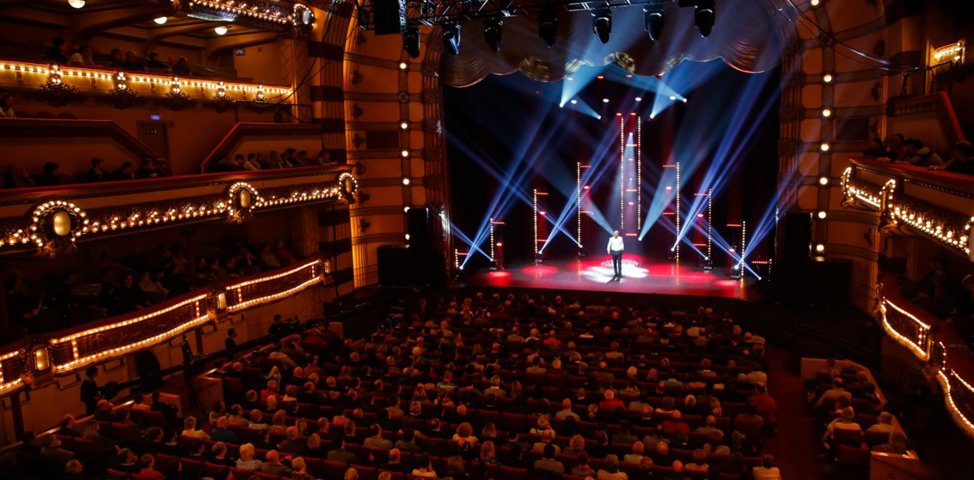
x=703 y=16
x=654 y=20
x=451 y=37
x=823 y=180
x=639 y=99
x=574 y=102
x=602 y=24
x=411 y=41
x=548 y=27
x=492 y=33
x=605 y=100
x=672 y=98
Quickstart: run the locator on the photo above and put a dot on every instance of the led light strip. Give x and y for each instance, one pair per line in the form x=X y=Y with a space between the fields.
x=622 y=175
x=952 y=407
x=276 y=296
x=5 y=386
x=201 y=317
x=66 y=72
x=918 y=350
x=578 y=202
x=639 y=176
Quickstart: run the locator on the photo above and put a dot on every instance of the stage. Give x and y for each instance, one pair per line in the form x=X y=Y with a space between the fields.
x=639 y=276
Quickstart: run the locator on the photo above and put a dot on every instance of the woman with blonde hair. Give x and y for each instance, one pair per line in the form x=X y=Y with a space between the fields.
x=247 y=460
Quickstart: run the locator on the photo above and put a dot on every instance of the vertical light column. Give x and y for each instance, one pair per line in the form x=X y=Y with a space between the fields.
x=535 y=218
x=578 y=204
x=622 y=174
x=639 y=176
x=710 y=225
x=676 y=191
x=491 y=239
x=740 y=265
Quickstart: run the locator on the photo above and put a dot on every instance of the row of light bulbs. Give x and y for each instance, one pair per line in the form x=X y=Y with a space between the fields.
x=58 y=73
x=21 y=237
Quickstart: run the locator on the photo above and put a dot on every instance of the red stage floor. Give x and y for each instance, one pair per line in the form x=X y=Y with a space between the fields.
x=639 y=276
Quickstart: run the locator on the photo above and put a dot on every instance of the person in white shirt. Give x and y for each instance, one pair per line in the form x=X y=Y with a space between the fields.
x=615 y=248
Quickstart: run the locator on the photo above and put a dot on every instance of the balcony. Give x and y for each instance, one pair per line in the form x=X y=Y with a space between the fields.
x=39 y=358
x=51 y=219
x=937 y=206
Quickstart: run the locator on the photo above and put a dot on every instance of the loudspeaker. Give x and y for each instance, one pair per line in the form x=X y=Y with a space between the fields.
x=823 y=283
x=394 y=265
x=410 y=267
x=420 y=223
x=388 y=16
x=795 y=238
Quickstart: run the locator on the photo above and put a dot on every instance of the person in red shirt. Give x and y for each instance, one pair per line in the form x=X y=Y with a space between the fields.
x=148 y=470
x=611 y=403
x=766 y=407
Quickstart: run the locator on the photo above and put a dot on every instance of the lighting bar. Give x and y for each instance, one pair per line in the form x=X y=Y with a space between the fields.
x=622 y=174
x=677 y=213
x=202 y=316
x=920 y=346
x=578 y=203
x=710 y=223
x=492 y=237
x=639 y=176
x=158 y=85
x=6 y=386
x=313 y=277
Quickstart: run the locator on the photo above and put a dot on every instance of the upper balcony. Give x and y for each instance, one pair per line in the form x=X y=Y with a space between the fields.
x=937 y=206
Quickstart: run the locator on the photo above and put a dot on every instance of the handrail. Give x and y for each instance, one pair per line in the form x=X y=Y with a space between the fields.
x=58 y=223
x=233 y=137
x=74 y=348
x=140 y=185
x=937 y=344
x=104 y=80
x=950 y=228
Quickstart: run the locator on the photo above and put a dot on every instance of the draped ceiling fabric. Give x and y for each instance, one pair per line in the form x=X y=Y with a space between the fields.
x=748 y=35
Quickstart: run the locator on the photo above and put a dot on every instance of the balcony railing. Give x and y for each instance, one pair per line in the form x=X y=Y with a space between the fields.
x=937 y=205
x=69 y=350
x=62 y=82
x=53 y=218
x=934 y=204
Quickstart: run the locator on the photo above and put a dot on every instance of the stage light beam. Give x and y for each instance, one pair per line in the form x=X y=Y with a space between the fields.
x=451 y=37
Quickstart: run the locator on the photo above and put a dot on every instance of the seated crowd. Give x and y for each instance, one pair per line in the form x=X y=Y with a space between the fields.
x=911 y=151
x=850 y=415
x=113 y=287
x=486 y=387
x=51 y=175
x=64 y=53
x=287 y=158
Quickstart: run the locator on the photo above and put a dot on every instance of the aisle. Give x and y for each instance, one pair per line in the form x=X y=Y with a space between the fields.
x=795 y=446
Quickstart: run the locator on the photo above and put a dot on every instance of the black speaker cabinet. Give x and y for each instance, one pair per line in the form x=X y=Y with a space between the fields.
x=388 y=16
x=796 y=238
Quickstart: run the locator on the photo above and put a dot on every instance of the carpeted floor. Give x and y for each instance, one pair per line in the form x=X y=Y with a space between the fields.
x=795 y=444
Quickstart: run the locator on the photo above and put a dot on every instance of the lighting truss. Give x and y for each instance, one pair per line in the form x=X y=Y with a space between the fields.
x=540 y=237
x=437 y=12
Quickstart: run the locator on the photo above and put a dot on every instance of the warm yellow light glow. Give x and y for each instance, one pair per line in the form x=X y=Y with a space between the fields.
x=823 y=180
x=221 y=30
x=405 y=181
x=819 y=248
x=77 y=3
x=826 y=113
x=160 y=20
x=404 y=125
x=403 y=65
x=61 y=223
x=405 y=153
x=827 y=78
x=815 y=3
x=825 y=147
x=822 y=214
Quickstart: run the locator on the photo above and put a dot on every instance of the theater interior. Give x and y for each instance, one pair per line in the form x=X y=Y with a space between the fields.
x=326 y=239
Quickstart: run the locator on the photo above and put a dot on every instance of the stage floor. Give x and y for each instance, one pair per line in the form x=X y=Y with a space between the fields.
x=639 y=276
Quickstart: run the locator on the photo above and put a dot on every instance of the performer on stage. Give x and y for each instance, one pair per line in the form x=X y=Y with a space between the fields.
x=615 y=248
